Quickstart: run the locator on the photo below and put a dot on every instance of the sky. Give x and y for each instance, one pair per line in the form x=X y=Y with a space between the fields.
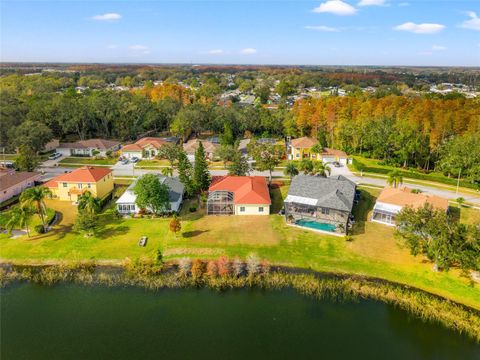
x=328 y=32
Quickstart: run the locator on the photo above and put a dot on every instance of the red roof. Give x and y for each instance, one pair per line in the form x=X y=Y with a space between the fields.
x=247 y=190
x=84 y=174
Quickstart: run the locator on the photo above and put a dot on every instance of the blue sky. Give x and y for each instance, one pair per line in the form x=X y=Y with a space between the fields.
x=328 y=32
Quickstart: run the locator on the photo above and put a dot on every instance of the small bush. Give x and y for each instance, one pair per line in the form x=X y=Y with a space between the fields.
x=348 y=238
x=39 y=229
x=192 y=209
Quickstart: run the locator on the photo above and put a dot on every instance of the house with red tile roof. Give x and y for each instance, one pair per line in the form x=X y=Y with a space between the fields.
x=69 y=186
x=238 y=195
x=145 y=148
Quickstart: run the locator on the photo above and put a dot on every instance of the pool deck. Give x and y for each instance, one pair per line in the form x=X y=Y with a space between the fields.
x=316 y=230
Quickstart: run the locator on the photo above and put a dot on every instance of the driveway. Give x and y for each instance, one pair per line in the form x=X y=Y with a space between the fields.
x=52 y=163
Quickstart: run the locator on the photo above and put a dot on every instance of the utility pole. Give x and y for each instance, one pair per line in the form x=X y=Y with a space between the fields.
x=458 y=180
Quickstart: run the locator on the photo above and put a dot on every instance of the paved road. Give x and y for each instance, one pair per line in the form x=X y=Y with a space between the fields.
x=128 y=170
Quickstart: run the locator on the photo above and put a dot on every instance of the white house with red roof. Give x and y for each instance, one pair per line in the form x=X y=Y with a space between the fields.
x=238 y=195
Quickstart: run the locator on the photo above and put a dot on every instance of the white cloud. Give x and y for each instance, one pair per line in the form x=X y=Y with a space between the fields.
x=107 y=17
x=139 y=49
x=371 y=3
x=321 y=28
x=215 y=51
x=112 y=46
x=420 y=28
x=336 y=7
x=248 y=51
x=473 y=23
x=439 y=48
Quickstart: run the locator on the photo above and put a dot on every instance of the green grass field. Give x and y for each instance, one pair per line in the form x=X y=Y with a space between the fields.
x=373 y=252
x=87 y=161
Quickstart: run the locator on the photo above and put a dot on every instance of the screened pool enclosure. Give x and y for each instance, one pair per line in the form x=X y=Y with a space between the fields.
x=220 y=202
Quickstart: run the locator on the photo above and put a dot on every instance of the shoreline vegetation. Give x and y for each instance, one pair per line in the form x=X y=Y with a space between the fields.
x=225 y=274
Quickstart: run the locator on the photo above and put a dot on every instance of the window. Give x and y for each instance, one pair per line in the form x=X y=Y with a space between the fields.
x=89 y=185
x=260 y=209
x=242 y=208
x=297 y=155
x=325 y=211
x=65 y=184
x=79 y=185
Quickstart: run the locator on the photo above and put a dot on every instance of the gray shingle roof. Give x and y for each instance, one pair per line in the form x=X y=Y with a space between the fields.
x=336 y=192
x=175 y=188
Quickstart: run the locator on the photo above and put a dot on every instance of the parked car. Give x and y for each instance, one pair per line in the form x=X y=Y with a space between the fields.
x=134 y=159
x=337 y=164
x=125 y=161
x=54 y=156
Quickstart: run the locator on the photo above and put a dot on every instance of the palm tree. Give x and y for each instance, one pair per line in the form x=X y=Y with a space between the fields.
x=306 y=166
x=20 y=216
x=36 y=196
x=395 y=178
x=320 y=168
x=89 y=203
x=316 y=149
x=290 y=170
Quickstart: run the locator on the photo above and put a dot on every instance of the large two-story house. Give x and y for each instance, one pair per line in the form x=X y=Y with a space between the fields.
x=320 y=203
x=301 y=148
x=68 y=187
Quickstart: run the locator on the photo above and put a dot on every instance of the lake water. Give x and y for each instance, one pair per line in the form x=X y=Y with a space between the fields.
x=74 y=322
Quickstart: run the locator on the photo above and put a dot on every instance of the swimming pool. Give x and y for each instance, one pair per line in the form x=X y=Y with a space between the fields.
x=316 y=225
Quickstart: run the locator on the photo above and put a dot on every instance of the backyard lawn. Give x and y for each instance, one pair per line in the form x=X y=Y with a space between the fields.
x=374 y=250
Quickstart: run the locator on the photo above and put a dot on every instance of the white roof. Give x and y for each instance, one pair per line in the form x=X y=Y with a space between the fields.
x=128 y=197
x=380 y=206
x=300 y=200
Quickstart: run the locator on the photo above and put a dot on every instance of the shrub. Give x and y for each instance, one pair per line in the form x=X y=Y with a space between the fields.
x=198 y=268
x=223 y=264
x=39 y=229
x=238 y=267
x=348 y=238
x=265 y=265
x=212 y=269
x=192 y=208
x=253 y=264
x=184 y=266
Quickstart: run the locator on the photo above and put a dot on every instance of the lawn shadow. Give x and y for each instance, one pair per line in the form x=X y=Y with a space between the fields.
x=361 y=210
x=277 y=199
x=190 y=234
x=113 y=231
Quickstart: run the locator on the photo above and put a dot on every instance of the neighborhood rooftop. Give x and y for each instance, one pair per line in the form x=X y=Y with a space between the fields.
x=405 y=197
x=334 y=192
x=91 y=143
x=83 y=174
x=247 y=190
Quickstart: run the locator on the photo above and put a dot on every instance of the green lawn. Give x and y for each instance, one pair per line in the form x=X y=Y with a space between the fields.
x=366 y=165
x=373 y=252
x=88 y=161
x=152 y=163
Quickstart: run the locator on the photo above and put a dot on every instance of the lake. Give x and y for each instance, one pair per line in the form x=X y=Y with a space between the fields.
x=75 y=322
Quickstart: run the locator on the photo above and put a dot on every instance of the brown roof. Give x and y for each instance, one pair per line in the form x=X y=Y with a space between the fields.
x=247 y=190
x=84 y=174
x=192 y=145
x=155 y=142
x=91 y=143
x=404 y=197
x=334 y=152
x=11 y=179
x=304 y=142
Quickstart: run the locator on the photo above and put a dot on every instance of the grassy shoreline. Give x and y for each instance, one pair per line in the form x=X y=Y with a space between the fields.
x=337 y=287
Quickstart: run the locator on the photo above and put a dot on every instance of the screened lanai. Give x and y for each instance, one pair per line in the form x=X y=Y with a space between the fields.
x=220 y=202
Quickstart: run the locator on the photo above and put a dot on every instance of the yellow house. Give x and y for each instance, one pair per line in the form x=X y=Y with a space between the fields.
x=68 y=187
x=301 y=148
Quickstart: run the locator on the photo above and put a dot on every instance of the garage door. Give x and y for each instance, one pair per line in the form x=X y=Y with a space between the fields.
x=328 y=159
x=343 y=161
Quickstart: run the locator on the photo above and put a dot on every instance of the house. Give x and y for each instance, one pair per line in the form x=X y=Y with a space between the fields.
x=320 y=203
x=191 y=147
x=392 y=200
x=89 y=147
x=51 y=145
x=238 y=195
x=12 y=183
x=301 y=148
x=145 y=148
x=69 y=186
x=126 y=203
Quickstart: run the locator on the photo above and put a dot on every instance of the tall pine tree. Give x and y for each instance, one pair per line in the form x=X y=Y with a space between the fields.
x=201 y=175
x=185 y=173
